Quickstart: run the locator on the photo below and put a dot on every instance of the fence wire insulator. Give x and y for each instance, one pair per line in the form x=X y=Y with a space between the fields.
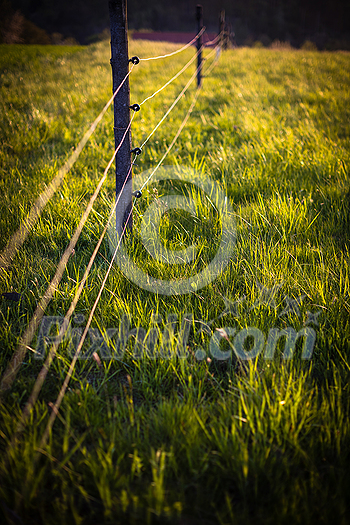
x=137 y=194
x=134 y=60
x=137 y=151
x=135 y=107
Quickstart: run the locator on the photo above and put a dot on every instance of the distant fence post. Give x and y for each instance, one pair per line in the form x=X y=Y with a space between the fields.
x=199 y=16
x=223 y=30
x=120 y=68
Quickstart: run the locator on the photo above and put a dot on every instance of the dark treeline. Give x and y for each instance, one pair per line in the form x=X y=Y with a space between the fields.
x=321 y=21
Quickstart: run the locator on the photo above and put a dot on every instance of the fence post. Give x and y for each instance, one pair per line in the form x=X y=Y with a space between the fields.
x=222 y=30
x=199 y=16
x=120 y=68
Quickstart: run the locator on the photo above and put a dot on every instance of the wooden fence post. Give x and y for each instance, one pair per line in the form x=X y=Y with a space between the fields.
x=120 y=68
x=223 y=30
x=199 y=16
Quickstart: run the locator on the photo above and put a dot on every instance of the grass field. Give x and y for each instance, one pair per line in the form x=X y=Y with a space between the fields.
x=159 y=439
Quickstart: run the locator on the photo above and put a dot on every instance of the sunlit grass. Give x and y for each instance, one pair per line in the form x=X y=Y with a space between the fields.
x=145 y=438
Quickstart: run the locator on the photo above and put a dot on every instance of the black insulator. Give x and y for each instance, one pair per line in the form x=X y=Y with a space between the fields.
x=135 y=107
x=134 y=60
x=137 y=194
x=137 y=151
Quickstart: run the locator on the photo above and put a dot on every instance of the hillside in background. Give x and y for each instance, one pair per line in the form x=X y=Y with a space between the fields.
x=327 y=24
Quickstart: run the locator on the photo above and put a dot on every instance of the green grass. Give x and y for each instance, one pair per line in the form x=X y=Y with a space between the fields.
x=183 y=440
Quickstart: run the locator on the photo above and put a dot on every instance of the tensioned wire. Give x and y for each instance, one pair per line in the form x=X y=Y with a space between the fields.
x=181 y=70
x=50 y=357
x=41 y=377
x=42 y=374
x=21 y=234
x=174 y=77
x=174 y=139
x=214 y=62
x=27 y=337
x=38 y=384
x=59 y=399
x=167 y=113
x=62 y=392
x=178 y=50
x=172 y=106
x=211 y=42
x=63 y=329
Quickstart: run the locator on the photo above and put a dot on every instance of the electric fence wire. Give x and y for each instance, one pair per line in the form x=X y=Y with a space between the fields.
x=174 y=77
x=18 y=238
x=211 y=42
x=65 y=324
x=21 y=234
x=56 y=406
x=29 y=333
x=64 y=327
x=214 y=62
x=26 y=339
x=167 y=113
x=62 y=392
x=183 y=123
x=178 y=50
x=170 y=109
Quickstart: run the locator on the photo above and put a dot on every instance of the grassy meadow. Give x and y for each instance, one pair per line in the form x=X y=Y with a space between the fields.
x=156 y=438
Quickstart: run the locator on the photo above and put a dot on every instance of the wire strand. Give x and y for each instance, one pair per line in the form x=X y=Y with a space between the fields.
x=211 y=42
x=63 y=329
x=171 y=108
x=17 y=359
x=80 y=345
x=174 y=77
x=42 y=375
x=174 y=103
x=182 y=125
x=178 y=50
x=21 y=234
x=59 y=399
x=174 y=139
x=214 y=62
